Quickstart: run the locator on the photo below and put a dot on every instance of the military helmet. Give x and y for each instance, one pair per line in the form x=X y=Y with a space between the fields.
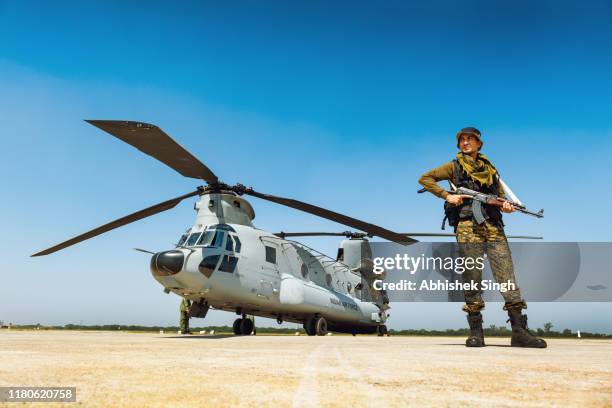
x=469 y=131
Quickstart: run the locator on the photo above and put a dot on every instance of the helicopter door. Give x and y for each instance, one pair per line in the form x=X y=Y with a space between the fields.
x=269 y=281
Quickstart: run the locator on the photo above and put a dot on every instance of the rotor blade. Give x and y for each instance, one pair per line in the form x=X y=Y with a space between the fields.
x=151 y=140
x=166 y=205
x=370 y=229
x=312 y=234
x=349 y=234
x=439 y=234
x=410 y=234
x=428 y=234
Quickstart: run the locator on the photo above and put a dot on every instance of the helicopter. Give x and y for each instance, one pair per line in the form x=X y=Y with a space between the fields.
x=225 y=263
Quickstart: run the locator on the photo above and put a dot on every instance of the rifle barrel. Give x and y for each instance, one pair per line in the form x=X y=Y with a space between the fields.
x=524 y=211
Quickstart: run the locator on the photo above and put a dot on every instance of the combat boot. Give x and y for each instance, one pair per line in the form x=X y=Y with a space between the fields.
x=476 y=338
x=520 y=333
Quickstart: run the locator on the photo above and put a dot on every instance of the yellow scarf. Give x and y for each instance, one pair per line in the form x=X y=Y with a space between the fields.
x=480 y=169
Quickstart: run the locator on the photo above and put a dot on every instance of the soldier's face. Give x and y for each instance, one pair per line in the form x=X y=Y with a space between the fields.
x=469 y=144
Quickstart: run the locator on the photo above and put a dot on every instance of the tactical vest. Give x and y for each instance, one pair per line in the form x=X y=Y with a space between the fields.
x=454 y=214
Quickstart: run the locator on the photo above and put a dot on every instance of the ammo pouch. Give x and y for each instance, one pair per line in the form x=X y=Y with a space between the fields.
x=451 y=214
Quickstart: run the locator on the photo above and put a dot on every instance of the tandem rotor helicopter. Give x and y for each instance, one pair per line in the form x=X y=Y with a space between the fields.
x=224 y=262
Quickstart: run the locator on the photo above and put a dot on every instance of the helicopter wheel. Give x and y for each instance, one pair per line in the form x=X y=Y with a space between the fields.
x=320 y=326
x=236 y=327
x=309 y=326
x=246 y=327
x=382 y=330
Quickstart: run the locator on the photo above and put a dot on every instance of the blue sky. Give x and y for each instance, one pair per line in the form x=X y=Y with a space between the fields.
x=343 y=105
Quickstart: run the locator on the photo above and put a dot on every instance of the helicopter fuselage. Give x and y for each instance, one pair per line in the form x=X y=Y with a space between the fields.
x=236 y=267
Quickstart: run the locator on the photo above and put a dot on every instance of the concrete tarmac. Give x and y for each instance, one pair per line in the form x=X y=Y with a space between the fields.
x=123 y=369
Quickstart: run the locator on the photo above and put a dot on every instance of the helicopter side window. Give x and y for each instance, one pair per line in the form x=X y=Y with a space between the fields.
x=304 y=270
x=229 y=245
x=238 y=244
x=270 y=254
x=228 y=264
x=193 y=238
x=208 y=264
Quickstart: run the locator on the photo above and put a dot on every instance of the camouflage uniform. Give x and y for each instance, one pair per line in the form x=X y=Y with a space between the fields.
x=476 y=240
x=184 y=316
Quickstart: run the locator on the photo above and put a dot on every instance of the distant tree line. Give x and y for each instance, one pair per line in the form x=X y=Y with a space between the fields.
x=492 y=330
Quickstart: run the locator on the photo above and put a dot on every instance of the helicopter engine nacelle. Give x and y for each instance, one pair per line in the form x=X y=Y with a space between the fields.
x=354 y=251
x=357 y=254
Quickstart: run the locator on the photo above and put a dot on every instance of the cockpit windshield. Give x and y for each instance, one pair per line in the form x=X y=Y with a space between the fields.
x=211 y=238
x=182 y=240
x=193 y=238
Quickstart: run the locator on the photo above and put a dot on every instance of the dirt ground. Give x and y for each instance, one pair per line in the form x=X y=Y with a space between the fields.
x=161 y=370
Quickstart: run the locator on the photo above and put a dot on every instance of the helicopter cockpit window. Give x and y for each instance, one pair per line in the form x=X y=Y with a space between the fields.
x=182 y=240
x=211 y=238
x=229 y=245
x=228 y=264
x=208 y=264
x=238 y=244
x=193 y=238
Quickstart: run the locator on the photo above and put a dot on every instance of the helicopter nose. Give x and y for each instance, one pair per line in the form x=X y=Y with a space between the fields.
x=167 y=263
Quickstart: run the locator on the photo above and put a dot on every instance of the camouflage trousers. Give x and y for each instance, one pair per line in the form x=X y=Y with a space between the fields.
x=476 y=240
x=184 y=322
x=184 y=315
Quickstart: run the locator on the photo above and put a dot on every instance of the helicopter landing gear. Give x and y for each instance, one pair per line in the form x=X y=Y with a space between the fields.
x=243 y=327
x=321 y=326
x=246 y=327
x=236 y=327
x=382 y=330
x=309 y=326
x=315 y=326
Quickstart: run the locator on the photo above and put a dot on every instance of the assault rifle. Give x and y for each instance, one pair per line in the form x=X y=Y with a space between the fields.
x=480 y=198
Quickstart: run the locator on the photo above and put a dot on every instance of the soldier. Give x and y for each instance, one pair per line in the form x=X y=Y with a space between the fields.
x=184 y=319
x=471 y=169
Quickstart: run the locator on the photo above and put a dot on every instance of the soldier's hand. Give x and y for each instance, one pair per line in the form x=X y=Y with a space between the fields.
x=507 y=207
x=455 y=199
